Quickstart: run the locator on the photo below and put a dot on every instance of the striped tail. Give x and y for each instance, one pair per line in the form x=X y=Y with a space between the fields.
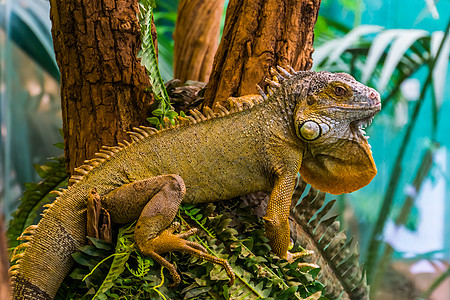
x=44 y=260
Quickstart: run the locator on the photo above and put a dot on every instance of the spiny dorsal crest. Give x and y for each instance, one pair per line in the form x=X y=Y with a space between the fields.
x=143 y=132
x=19 y=251
x=236 y=104
x=277 y=79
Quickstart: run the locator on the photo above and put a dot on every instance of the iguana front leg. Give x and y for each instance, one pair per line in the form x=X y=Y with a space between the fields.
x=156 y=201
x=277 y=214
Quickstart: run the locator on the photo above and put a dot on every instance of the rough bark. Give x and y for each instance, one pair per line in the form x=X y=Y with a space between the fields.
x=196 y=38
x=260 y=34
x=102 y=82
x=4 y=265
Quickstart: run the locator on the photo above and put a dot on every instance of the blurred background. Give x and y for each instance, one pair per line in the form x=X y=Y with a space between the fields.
x=401 y=48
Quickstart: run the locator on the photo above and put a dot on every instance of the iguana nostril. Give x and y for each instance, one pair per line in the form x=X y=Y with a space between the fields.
x=373 y=95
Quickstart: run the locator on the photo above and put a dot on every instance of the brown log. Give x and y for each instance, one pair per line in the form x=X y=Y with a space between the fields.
x=102 y=82
x=196 y=38
x=260 y=34
x=5 y=288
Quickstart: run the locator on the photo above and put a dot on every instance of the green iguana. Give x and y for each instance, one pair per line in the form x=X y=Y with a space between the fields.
x=311 y=122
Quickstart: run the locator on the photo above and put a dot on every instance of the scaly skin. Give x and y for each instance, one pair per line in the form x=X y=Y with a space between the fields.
x=309 y=124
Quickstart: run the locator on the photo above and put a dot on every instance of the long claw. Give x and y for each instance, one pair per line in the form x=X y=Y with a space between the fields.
x=213 y=259
x=196 y=246
x=161 y=260
x=187 y=234
x=309 y=265
x=174 y=227
x=290 y=257
x=166 y=241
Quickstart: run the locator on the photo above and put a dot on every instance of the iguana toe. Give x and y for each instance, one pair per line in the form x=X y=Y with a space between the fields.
x=291 y=257
x=187 y=234
x=167 y=241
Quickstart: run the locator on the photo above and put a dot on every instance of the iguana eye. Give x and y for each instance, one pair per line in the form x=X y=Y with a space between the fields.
x=309 y=130
x=339 y=91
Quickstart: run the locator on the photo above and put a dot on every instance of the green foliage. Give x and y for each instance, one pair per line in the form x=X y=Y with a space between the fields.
x=123 y=250
x=28 y=26
x=90 y=259
x=338 y=256
x=385 y=59
x=165 y=17
x=149 y=60
x=235 y=234
x=53 y=174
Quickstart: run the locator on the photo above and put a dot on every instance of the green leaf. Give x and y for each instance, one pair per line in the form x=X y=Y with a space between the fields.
x=153 y=120
x=287 y=293
x=171 y=114
x=149 y=59
x=158 y=112
x=196 y=291
x=440 y=68
x=90 y=250
x=350 y=38
x=59 y=145
x=82 y=259
x=194 y=211
x=100 y=244
x=397 y=50
x=377 y=48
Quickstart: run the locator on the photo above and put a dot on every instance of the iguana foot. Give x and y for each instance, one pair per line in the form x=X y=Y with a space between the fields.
x=155 y=203
x=167 y=241
x=291 y=257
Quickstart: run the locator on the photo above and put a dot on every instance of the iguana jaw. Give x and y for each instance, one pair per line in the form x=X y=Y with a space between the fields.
x=358 y=126
x=331 y=121
x=340 y=122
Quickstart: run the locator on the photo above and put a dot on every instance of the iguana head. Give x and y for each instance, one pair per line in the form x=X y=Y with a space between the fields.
x=331 y=121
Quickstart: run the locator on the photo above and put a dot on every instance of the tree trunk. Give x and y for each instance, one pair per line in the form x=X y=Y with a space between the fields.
x=4 y=265
x=102 y=81
x=260 y=34
x=196 y=38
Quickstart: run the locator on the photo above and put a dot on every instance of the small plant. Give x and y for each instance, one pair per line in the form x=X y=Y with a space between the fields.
x=149 y=60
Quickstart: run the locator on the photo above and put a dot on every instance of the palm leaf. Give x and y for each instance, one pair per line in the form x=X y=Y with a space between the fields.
x=29 y=28
x=440 y=69
x=401 y=44
x=335 y=48
x=399 y=52
x=53 y=175
x=377 y=49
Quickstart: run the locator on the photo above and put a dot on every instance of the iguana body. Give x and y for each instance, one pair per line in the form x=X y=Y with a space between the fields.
x=307 y=124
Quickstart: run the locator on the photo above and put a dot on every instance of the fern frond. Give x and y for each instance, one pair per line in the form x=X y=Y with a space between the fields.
x=149 y=60
x=124 y=247
x=53 y=175
x=334 y=253
x=143 y=267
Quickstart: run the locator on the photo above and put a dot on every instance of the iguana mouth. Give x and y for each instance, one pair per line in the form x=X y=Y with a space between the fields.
x=360 y=125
